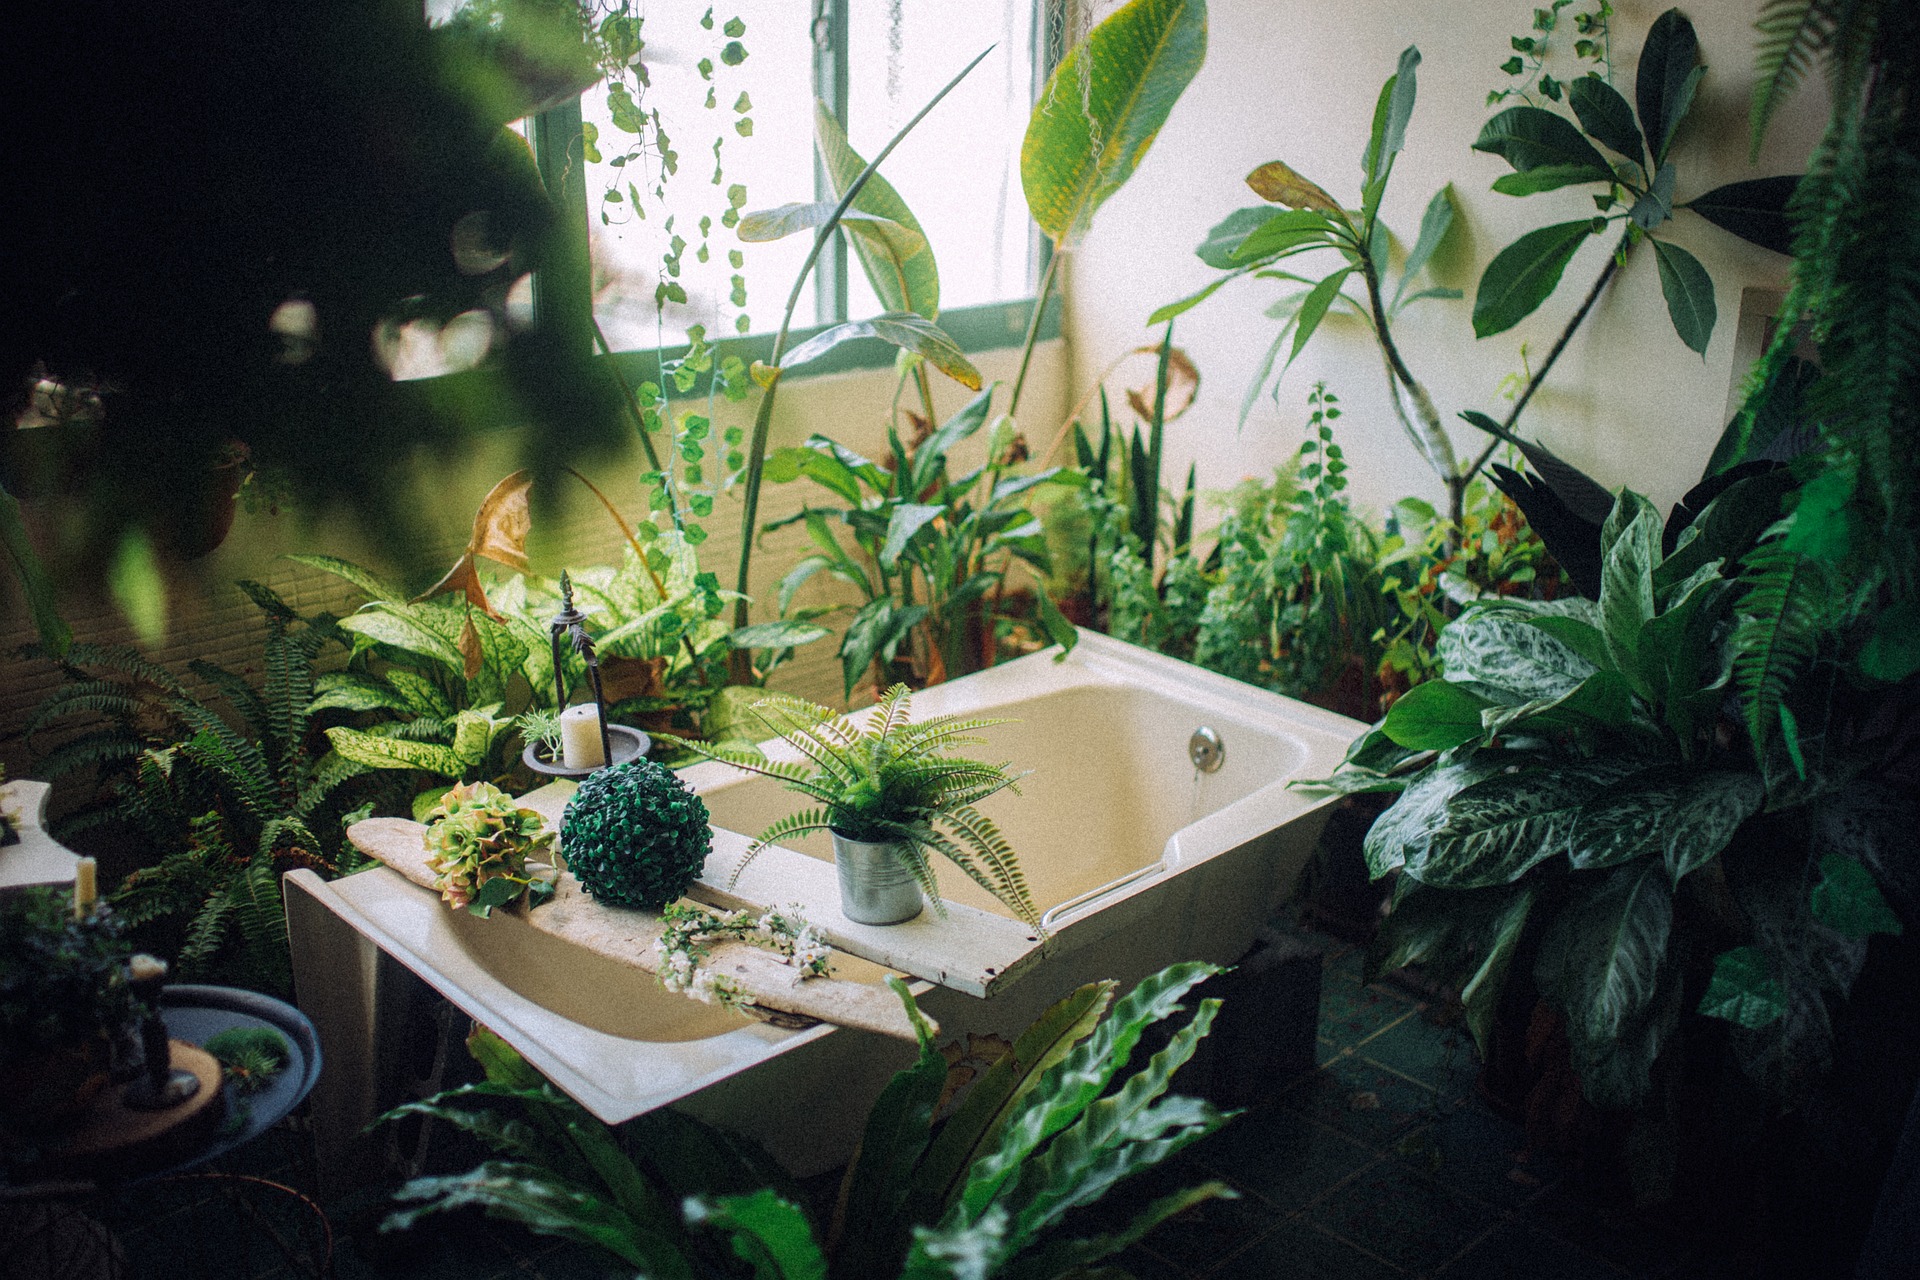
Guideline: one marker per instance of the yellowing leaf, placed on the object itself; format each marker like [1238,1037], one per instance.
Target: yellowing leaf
[1278,183]
[500,529]
[1183,384]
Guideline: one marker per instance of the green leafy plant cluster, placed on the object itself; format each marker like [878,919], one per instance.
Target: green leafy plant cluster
[1577,810]
[983,1186]
[485,850]
[888,781]
[635,835]
[62,979]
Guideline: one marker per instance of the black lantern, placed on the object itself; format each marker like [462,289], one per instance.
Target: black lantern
[618,743]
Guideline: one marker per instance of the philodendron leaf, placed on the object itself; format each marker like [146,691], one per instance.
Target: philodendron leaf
[1630,542]
[904,330]
[1435,715]
[903,274]
[1496,830]
[1689,293]
[1744,991]
[1102,108]
[1278,183]
[1666,80]
[1600,962]
[1686,819]
[1521,276]
[1605,115]
[1848,900]
[1530,138]
[1498,647]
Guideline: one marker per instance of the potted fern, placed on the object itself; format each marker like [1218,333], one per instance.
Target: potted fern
[888,793]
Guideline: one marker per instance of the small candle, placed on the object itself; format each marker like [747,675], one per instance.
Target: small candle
[86,888]
[580,737]
[145,968]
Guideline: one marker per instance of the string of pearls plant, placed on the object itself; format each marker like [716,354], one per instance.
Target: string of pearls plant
[692,931]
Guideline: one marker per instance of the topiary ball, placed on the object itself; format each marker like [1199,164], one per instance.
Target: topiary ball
[635,835]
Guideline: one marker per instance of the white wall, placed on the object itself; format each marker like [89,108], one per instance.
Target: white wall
[1296,80]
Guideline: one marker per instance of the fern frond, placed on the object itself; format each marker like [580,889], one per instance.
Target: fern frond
[1006,881]
[127,660]
[109,699]
[239,769]
[793,824]
[233,687]
[331,772]
[1777,634]
[1792,33]
[103,746]
[206,933]
[262,920]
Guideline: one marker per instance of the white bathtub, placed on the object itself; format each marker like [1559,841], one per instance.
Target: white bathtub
[1135,858]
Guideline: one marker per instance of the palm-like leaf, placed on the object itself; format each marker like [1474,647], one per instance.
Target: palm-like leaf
[1792,33]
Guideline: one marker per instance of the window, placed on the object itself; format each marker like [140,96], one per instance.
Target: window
[739,136]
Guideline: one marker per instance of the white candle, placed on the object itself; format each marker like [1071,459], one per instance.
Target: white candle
[86,888]
[580,737]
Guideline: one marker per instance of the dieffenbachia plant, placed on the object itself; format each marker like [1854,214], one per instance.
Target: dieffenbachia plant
[1635,189]
[1574,791]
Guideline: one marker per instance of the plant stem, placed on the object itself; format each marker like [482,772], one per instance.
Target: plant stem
[1593,295]
[1033,329]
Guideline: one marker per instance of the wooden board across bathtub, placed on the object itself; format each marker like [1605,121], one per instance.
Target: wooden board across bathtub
[969,950]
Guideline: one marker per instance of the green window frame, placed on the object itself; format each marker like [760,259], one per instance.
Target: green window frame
[562,290]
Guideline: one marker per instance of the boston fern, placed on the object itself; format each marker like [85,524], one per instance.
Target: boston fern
[1581,804]
[984,1185]
[888,781]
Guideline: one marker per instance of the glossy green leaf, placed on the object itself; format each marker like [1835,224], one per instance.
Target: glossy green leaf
[787,633]
[1530,138]
[770,1234]
[1313,309]
[1744,991]
[1689,293]
[1603,700]
[903,329]
[907,519]
[1496,830]
[1435,715]
[1523,274]
[902,271]
[1683,818]
[1548,177]
[1578,634]
[1404,832]
[1666,80]
[1605,115]
[1848,900]
[1054,624]
[1281,234]
[1480,997]
[1497,647]
[1630,548]
[1102,108]
[1600,963]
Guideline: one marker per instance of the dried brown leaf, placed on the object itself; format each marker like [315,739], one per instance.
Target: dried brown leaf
[1278,183]
[500,529]
[1183,384]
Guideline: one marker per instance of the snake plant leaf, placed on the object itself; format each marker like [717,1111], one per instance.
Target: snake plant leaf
[903,329]
[1689,293]
[1102,108]
[1744,991]
[903,273]
[1434,716]
[1605,115]
[1755,210]
[1530,138]
[1498,829]
[1683,818]
[42,602]
[1278,183]
[1523,274]
[1666,81]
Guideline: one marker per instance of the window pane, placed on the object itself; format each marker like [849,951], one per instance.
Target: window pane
[632,253]
[959,170]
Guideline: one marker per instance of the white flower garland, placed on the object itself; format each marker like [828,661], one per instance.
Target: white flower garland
[691,932]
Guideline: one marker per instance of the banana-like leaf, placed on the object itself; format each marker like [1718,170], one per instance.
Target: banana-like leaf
[1102,108]
[903,274]
[903,329]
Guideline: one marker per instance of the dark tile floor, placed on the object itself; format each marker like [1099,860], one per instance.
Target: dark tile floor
[1380,1163]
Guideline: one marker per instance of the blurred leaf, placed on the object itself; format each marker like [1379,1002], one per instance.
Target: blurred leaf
[138,589]
[1848,901]
[903,329]
[1744,991]
[41,599]
[499,533]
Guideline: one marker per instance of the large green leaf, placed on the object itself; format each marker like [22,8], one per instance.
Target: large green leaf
[1496,830]
[903,329]
[1848,900]
[1684,818]
[533,1197]
[1102,107]
[907,519]
[880,1181]
[1630,549]
[1523,274]
[1480,997]
[1280,234]
[770,1234]
[786,633]
[377,752]
[1435,223]
[376,587]
[1391,112]
[1313,309]
[1744,991]
[410,627]
[42,601]
[1530,138]
[1605,115]
[1754,209]
[1689,293]
[1601,966]
[1604,699]
[903,274]
[1435,715]
[1667,78]
[1404,832]
[1498,649]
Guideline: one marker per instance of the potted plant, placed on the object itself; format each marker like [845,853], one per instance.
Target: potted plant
[64,1000]
[888,793]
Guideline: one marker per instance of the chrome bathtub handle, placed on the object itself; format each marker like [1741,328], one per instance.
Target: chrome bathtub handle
[1091,896]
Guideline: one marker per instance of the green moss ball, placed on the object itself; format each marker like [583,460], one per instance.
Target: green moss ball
[635,835]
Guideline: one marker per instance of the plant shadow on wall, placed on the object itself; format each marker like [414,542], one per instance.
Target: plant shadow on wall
[966,1169]
[1663,833]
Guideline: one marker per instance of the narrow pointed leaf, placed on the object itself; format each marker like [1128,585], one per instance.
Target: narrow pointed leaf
[1755,210]
[1605,115]
[1522,275]
[904,330]
[901,269]
[1667,77]
[1689,293]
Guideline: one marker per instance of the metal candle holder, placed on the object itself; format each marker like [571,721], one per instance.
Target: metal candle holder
[618,743]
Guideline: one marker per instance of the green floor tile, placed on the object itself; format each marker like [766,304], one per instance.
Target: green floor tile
[1363,1101]
[1441,1057]
[1519,1252]
[1281,1156]
[1351,1013]
[1475,1152]
[1413,1222]
[1298,1250]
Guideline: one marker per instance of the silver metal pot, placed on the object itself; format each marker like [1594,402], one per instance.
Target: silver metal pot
[876,884]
